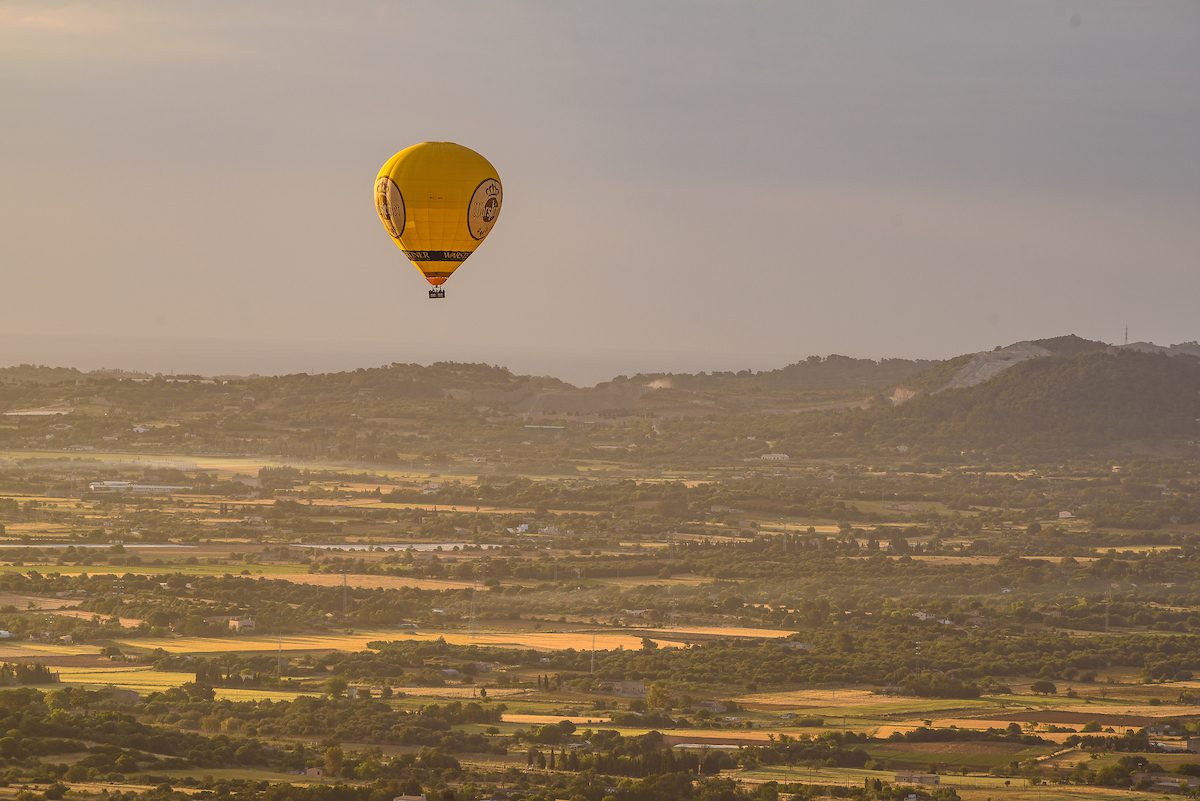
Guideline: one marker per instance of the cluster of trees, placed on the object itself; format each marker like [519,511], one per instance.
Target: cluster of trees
[873,654]
[68,719]
[26,673]
[117,743]
[929,684]
[608,753]
[193,707]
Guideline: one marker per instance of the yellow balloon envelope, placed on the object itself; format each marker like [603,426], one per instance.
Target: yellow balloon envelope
[438,202]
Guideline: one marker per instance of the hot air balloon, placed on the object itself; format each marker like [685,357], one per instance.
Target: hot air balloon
[438,202]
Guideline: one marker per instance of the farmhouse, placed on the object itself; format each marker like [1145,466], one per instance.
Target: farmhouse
[121,695]
[918,778]
[1188,745]
[1165,782]
[629,689]
[234,623]
[114,487]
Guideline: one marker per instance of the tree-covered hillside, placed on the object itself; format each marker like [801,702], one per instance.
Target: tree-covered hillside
[1092,399]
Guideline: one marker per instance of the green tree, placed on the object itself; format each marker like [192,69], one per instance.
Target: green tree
[333,760]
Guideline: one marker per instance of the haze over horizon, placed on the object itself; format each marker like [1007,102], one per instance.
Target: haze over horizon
[687,186]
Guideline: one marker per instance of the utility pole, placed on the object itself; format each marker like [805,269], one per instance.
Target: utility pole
[593,670]
[345,595]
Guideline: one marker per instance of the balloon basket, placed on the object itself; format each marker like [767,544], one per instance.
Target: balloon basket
[437,292]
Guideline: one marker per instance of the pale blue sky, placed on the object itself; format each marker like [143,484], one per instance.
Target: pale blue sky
[187,186]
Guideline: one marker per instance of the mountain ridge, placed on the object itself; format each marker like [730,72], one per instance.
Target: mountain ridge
[1065,392]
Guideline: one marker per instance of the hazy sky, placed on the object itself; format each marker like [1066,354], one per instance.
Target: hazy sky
[187,186]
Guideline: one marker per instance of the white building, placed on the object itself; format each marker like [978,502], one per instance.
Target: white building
[111,487]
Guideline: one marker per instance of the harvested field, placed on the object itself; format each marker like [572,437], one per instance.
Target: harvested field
[653,581]
[712,736]
[459,692]
[27,650]
[535,640]
[831,697]
[976,755]
[858,702]
[369,582]
[720,631]
[23,602]
[1104,718]
[143,680]
[83,614]
[547,720]
[147,680]
[1151,711]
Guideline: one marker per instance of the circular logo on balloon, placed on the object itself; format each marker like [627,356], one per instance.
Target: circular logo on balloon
[484,208]
[390,205]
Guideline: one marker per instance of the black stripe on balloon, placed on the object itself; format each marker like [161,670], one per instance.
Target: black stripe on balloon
[437,255]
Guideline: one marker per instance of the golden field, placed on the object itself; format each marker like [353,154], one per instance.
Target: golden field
[535,640]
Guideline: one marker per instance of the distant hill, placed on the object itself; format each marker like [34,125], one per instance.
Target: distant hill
[408,391]
[1055,397]
[1182,349]
[38,374]
[815,372]
[1057,393]
[975,368]
[814,382]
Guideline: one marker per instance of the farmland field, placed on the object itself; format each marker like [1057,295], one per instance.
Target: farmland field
[368,581]
[26,650]
[852,702]
[536,640]
[146,680]
[723,631]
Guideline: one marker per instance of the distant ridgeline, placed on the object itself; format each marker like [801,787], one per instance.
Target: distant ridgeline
[1050,396]
[832,371]
[1063,392]
[815,372]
